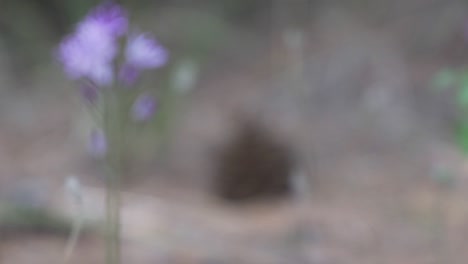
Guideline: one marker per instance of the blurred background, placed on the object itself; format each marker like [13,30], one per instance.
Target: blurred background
[288,131]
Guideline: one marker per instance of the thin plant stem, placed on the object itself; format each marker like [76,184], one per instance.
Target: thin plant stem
[107,123]
[112,223]
[114,219]
[114,131]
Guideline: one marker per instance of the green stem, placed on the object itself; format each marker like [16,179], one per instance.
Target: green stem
[114,219]
[114,131]
[109,175]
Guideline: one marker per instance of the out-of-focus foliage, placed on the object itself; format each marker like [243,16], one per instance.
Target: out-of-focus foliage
[36,220]
[29,29]
[445,78]
[457,79]
[198,32]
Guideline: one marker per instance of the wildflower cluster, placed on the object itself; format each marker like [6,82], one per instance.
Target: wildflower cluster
[93,55]
[106,58]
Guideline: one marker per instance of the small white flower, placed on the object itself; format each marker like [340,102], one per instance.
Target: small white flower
[73,187]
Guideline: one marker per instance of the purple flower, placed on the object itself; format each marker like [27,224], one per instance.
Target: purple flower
[81,59]
[89,93]
[143,108]
[113,16]
[144,52]
[129,74]
[141,52]
[90,51]
[97,145]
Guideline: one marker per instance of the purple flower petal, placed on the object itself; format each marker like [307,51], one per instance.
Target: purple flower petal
[82,59]
[97,39]
[113,16]
[97,145]
[143,108]
[129,74]
[145,53]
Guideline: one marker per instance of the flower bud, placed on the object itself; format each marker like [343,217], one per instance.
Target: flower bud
[143,108]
